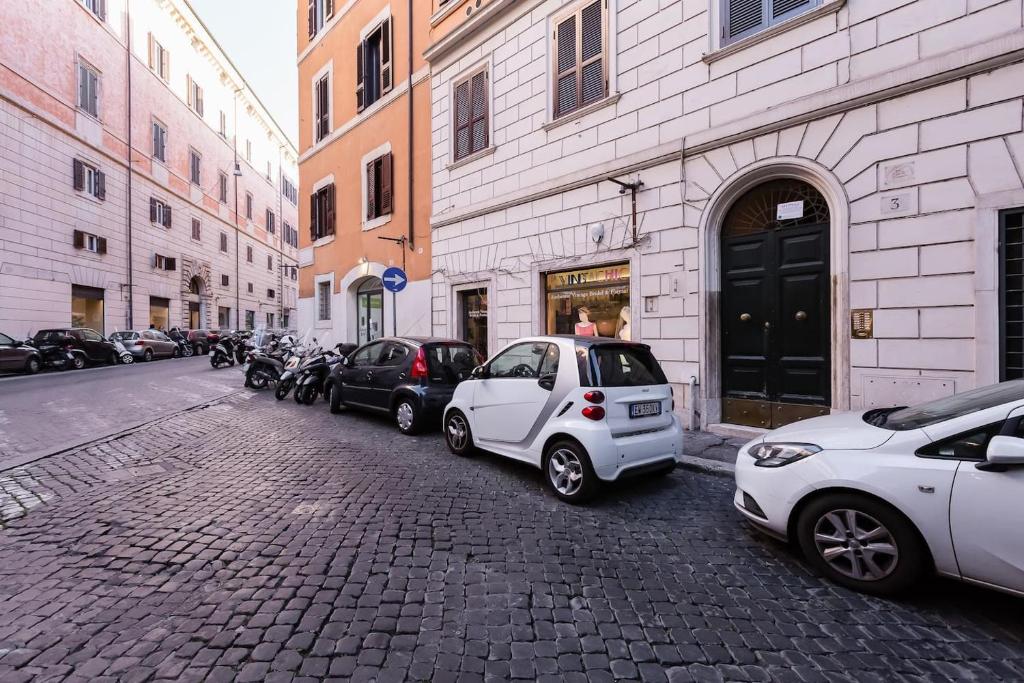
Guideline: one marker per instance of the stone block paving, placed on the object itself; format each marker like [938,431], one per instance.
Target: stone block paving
[256,540]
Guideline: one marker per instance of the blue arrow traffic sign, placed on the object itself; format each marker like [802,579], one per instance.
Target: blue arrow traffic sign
[395,280]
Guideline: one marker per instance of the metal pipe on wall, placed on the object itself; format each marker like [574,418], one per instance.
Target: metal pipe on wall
[128,203]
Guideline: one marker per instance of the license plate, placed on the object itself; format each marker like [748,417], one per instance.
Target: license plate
[645,409]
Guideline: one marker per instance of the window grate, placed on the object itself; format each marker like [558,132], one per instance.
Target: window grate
[1011,294]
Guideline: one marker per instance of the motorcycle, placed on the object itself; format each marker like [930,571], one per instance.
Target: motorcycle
[264,366]
[123,355]
[57,356]
[185,349]
[223,352]
[287,379]
[244,343]
[314,371]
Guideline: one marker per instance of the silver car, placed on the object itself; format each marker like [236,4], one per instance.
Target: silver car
[145,345]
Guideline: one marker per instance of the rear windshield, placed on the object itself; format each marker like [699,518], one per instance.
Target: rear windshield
[122,336]
[926,414]
[625,366]
[451,363]
[50,336]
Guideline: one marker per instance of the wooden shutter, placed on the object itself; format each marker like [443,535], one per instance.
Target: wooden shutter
[386,70]
[199,99]
[167,215]
[312,18]
[328,9]
[463,120]
[101,9]
[478,113]
[330,213]
[152,53]
[580,62]
[101,185]
[592,58]
[152,210]
[742,18]
[170,264]
[79,238]
[566,61]
[165,64]
[78,173]
[386,183]
[783,9]
[101,245]
[360,79]
[188,94]
[314,217]
[371,184]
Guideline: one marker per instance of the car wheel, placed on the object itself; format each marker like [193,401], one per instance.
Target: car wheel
[32,366]
[458,435]
[112,360]
[407,417]
[281,392]
[78,362]
[861,543]
[176,353]
[569,473]
[127,359]
[148,355]
[335,400]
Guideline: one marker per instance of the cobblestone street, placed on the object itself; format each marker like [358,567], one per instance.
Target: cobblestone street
[251,539]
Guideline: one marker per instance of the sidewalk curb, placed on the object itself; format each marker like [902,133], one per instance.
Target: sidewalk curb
[713,467]
[29,458]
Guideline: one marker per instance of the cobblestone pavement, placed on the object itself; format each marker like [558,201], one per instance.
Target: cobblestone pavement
[253,540]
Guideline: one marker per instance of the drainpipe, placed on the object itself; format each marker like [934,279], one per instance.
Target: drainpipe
[237,171]
[280,236]
[412,148]
[128,215]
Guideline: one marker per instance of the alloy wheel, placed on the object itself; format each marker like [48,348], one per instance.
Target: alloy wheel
[565,471]
[457,432]
[32,366]
[188,351]
[405,416]
[856,545]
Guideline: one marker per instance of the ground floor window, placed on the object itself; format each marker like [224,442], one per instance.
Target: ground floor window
[323,295]
[159,312]
[87,308]
[195,317]
[1011,294]
[250,320]
[591,302]
[473,318]
[224,317]
[370,310]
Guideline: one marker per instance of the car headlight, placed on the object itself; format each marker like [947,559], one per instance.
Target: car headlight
[779,454]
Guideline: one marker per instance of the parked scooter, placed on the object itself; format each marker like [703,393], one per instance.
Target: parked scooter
[224,351]
[185,349]
[56,356]
[265,366]
[123,354]
[314,371]
[287,379]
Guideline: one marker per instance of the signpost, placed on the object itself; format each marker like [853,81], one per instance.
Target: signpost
[395,280]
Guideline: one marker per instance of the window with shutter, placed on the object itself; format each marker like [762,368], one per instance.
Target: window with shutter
[225,280]
[78,174]
[248,254]
[374,65]
[743,18]
[101,185]
[580,62]
[224,242]
[329,209]
[360,79]
[372,190]
[196,229]
[386,70]
[88,89]
[167,216]
[472,128]
[322,123]
[222,186]
[195,167]
[386,179]
[79,239]
[101,245]
[159,141]
[152,210]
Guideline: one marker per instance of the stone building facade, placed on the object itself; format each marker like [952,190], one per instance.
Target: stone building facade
[129,142]
[828,193]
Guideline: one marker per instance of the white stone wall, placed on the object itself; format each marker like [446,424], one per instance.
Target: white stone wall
[919,175]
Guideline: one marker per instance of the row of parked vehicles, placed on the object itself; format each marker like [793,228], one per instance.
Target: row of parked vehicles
[874,499]
[73,348]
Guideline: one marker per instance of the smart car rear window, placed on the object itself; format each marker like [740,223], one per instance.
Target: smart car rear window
[625,366]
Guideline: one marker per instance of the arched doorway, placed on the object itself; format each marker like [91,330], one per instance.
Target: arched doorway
[775,306]
[369,310]
[196,314]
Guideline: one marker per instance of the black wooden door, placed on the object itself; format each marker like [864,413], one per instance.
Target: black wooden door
[776,317]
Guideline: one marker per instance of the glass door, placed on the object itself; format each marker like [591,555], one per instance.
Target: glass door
[370,310]
[473,318]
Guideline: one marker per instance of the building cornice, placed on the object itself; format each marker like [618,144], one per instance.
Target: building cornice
[926,73]
[474,25]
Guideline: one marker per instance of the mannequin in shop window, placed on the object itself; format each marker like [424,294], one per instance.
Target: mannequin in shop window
[585,328]
[622,331]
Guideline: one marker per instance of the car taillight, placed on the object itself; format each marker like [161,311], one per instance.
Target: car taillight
[593,413]
[419,365]
[594,396]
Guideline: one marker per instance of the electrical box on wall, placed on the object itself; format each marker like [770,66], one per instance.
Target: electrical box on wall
[862,323]
[650,304]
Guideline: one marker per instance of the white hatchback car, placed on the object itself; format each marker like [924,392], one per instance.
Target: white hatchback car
[875,499]
[583,409]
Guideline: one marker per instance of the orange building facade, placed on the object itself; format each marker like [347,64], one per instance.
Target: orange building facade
[364,166]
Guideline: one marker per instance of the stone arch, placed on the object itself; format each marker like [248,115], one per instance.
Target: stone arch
[731,189]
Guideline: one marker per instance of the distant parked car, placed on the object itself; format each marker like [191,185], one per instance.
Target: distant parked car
[877,499]
[15,356]
[87,345]
[145,345]
[201,340]
[585,410]
[409,378]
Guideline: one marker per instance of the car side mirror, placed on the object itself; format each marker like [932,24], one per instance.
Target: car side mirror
[1002,453]
[479,372]
[548,381]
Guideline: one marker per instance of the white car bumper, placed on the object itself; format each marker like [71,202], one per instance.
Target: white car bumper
[625,456]
[767,495]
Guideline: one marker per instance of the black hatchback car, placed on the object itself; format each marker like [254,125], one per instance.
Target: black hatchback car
[87,345]
[410,378]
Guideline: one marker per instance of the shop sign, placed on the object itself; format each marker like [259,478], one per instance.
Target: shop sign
[589,277]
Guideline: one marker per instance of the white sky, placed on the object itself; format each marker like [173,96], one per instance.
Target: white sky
[259,37]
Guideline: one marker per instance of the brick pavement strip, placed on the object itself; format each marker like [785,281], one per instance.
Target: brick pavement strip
[256,540]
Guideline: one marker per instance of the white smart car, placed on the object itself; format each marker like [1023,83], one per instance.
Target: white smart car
[583,409]
[875,499]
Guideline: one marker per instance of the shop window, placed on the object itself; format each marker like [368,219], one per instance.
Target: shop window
[580,59]
[322,208]
[374,73]
[591,302]
[87,307]
[323,295]
[223,317]
[742,18]
[470,115]
[1011,294]
[473,318]
[379,193]
[89,179]
[159,312]
[370,310]
[270,320]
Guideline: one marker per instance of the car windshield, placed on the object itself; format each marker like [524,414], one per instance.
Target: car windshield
[626,366]
[926,414]
[451,363]
[50,336]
